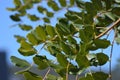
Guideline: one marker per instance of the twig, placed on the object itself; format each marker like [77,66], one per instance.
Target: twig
[67,68]
[76,78]
[46,74]
[111,27]
[110,61]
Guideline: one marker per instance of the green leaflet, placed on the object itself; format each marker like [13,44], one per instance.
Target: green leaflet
[41,62]
[19,62]
[32,39]
[40,33]
[53,5]
[50,30]
[31,76]
[26,49]
[102,58]
[33,17]
[62,60]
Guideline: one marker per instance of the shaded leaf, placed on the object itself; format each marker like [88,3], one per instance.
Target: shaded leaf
[31,76]
[49,14]
[33,17]
[50,30]
[19,38]
[102,58]
[102,43]
[41,62]
[36,1]
[62,60]
[97,4]
[53,5]
[19,62]
[40,33]
[72,2]
[117,40]
[97,76]
[25,27]
[66,48]
[46,20]
[17,3]
[15,18]
[41,9]
[63,3]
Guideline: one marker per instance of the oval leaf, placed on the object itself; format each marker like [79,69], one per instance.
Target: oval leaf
[19,62]
[27,49]
[102,58]
[102,43]
[41,61]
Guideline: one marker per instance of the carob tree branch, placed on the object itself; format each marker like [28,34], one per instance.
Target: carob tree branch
[111,27]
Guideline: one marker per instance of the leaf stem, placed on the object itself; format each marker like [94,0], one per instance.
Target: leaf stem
[110,28]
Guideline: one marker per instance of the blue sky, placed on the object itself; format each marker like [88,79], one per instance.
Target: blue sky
[9,44]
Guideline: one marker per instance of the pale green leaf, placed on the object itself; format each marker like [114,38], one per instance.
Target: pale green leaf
[19,62]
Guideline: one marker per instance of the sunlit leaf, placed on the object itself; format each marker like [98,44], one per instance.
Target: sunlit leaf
[62,3]
[82,61]
[95,76]
[46,20]
[102,43]
[19,62]
[40,33]
[32,39]
[53,5]
[41,9]
[17,3]
[49,14]
[110,15]
[72,2]
[26,49]
[65,48]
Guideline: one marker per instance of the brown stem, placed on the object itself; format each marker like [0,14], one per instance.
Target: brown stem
[111,27]
[46,74]
[67,68]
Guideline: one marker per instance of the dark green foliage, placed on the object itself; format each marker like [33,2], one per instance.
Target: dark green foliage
[70,40]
